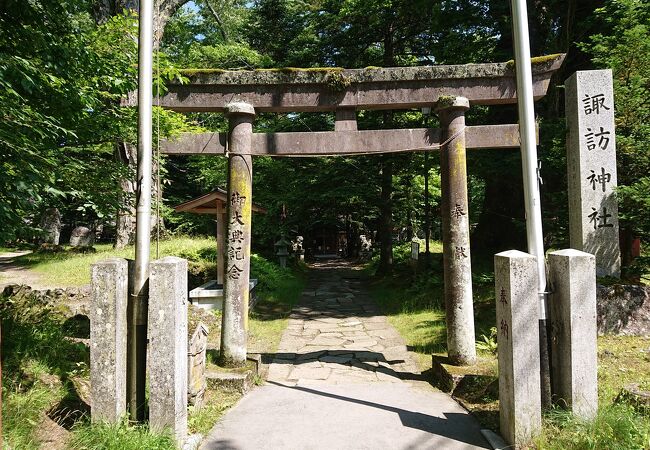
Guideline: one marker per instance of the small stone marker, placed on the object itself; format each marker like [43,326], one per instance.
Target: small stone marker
[82,237]
[196,360]
[574,353]
[520,405]
[108,315]
[51,226]
[591,165]
[415,250]
[168,346]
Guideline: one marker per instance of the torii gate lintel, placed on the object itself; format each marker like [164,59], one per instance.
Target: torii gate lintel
[450,89]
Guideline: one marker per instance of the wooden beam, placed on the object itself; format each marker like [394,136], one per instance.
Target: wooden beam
[305,90]
[330,143]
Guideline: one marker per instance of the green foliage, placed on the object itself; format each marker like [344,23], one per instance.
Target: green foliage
[224,56]
[488,343]
[22,412]
[616,427]
[625,48]
[32,332]
[118,436]
[35,355]
[271,277]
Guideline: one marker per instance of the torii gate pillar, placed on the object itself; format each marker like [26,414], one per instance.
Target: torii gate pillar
[455,232]
[238,235]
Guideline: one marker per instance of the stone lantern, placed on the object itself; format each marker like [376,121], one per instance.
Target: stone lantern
[282,250]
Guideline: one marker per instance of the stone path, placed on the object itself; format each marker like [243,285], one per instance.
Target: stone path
[343,379]
[337,335]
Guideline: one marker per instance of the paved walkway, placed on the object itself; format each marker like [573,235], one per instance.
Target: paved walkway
[343,379]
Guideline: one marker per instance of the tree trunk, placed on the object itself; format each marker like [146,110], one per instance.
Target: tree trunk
[386,207]
[501,225]
[125,222]
[127,152]
[386,219]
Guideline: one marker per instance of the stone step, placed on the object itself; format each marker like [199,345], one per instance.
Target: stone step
[241,379]
[235,381]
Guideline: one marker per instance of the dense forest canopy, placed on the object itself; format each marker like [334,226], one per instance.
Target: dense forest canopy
[66,68]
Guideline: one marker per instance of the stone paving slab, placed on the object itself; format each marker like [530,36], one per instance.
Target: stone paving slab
[342,378]
[335,315]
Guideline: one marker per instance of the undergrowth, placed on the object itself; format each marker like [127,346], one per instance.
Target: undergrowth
[120,436]
[616,427]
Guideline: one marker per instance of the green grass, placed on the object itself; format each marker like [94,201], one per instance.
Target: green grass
[215,405]
[616,427]
[73,269]
[279,293]
[412,298]
[119,436]
[22,411]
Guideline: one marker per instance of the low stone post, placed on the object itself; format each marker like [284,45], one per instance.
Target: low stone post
[459,305]
[168,345]
[520,405]
[574,351]
[108,315]
[238,239]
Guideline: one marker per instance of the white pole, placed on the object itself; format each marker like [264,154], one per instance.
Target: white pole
[137,346]
[529,143]
[526,108]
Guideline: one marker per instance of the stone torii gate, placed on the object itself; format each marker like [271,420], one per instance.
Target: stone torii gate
[450,90]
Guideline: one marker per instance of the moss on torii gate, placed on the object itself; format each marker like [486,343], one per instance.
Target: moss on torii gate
[451,89]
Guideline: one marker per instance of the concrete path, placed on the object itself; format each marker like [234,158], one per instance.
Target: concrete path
[343,379]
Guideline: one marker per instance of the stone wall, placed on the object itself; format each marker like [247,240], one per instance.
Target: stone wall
[70,301]
[622,309]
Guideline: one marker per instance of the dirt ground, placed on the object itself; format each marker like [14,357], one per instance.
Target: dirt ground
[11,273]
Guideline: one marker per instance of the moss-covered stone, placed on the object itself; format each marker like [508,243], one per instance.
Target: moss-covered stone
[339,78]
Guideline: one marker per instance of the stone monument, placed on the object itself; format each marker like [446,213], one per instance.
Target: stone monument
[82,237]
[168,346]
[108,321]
[591,166]
[51,226]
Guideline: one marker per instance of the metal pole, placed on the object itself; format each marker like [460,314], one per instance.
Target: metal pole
[525,104]
[138,319]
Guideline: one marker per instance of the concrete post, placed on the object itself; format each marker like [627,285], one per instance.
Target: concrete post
[110,290]
[238,246]
[520,406]
[574,352]
[455,232]
[168,346]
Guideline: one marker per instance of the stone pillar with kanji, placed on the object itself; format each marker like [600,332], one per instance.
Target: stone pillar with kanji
[516,289]
[238,235]
[591,166]
[459,305]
